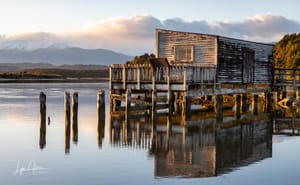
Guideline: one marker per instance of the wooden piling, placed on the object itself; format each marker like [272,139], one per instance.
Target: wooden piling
[219,107]
[100,106]
[42,120]
[100,116]
[238,106]
[244,103]
[75,117]
[67,108]
[255,104]
[269,101]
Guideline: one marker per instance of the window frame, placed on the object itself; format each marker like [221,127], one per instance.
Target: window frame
[192,54]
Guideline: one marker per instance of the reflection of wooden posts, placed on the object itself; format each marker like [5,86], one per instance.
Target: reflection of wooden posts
[127,103]
[255,104]
[75,117]
[67,108]
[177,102]
[153,109]
[294,84]
[244,103]
[219,107]
[100,116]
[153,138]
[67,138]
[168,132]
[187,105]
[293,122]
[269,101]
[275,98]
[138,134]
[238,106]
[43,120]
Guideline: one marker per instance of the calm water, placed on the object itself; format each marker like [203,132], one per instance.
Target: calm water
[240,151]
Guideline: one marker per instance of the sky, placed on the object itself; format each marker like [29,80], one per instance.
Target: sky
[129,26]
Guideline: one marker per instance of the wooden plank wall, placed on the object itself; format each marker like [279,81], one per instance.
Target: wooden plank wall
[229,50]
[230,62]
[205,46]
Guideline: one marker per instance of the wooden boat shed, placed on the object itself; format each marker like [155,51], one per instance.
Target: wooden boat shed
[189,67]
[237,61]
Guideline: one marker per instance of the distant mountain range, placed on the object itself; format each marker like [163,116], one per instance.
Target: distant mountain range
[45,57]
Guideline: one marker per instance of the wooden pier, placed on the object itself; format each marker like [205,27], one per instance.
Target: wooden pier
[177,89]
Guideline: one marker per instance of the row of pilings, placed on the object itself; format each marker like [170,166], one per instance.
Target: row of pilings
[71,118]
[178,103]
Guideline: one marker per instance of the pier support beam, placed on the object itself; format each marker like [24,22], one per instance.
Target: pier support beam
[255,104]
[171,100]
[244,103]
[114,103]
[238,106]
[269,101]
[219,107]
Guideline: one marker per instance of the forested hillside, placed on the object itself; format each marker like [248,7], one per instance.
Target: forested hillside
[287,52]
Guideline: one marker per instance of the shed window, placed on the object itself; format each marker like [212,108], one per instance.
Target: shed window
[184,53]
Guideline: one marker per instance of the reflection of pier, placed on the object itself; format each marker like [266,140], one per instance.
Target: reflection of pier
[198,147]
[287,122]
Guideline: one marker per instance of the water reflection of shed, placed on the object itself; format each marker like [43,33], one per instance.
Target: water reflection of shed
[199,148]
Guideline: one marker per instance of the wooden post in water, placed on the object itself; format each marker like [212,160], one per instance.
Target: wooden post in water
[255,104]
[219,108]
[238,106]
[75,117]
[67,108]
[100,116]
[43,107]
[244,103]
[67,122]
[42,120]
[127,103]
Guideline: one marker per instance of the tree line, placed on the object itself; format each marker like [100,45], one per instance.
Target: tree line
[287,51]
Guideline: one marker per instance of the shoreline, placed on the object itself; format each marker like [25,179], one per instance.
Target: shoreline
[5,81]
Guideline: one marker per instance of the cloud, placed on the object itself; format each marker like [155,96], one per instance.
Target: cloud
[30,40]
[136,35]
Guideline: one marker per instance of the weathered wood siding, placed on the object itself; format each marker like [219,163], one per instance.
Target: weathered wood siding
[205,46]
[231,57]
